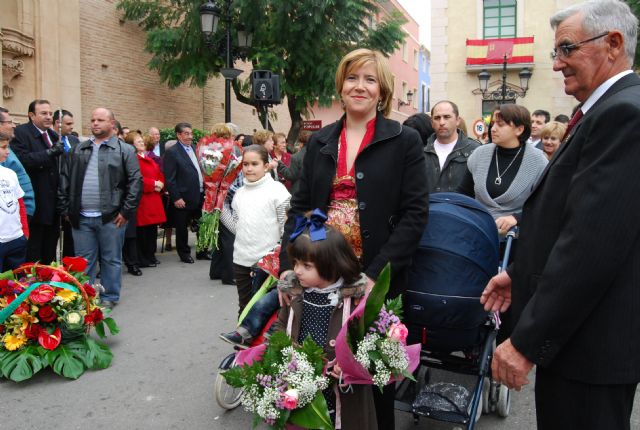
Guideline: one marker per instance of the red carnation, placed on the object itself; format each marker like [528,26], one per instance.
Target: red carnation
[93,317]
[50,341]
[42,294]
[45,273]
[33,331]
[23,308]
[46,314]
[75,264]
[91,292]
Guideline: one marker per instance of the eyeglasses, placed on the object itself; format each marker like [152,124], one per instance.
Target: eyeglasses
[7,122]
[564,51]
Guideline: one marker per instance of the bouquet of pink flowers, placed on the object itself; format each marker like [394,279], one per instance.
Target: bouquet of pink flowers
[371,347]
[220,161]
[282,383]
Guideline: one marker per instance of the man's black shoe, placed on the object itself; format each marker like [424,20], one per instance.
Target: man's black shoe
[148,265]
[187,259]
[134,270]
[203,255]
[235,338]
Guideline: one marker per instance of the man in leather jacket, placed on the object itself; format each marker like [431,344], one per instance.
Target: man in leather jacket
[447,150]
[100,188]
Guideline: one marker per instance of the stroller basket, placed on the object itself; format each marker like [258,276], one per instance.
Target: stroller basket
[457,255]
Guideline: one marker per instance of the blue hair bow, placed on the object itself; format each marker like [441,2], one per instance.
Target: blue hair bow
[315,223]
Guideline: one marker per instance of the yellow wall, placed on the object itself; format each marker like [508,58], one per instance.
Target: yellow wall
[455,21]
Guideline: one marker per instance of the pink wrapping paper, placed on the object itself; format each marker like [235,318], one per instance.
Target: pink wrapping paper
[352,371]
[248,356]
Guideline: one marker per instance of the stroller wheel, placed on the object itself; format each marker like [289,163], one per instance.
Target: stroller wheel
[227,397]
[504,401]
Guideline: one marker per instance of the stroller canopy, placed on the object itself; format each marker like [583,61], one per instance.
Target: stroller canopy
[461,226]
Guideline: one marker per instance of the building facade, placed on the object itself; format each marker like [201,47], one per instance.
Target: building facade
[469,36]
[81,54]
[424,79]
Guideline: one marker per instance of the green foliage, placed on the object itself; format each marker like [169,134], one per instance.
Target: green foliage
[167,134]
[376,297]
[72,359]
[22,365]
[314,416]
[635,8]
[300,40]
[7,275]
[69,359]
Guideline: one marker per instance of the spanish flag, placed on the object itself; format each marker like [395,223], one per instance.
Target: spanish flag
[492,51]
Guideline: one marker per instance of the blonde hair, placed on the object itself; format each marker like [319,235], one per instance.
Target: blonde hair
[148,142]
[221,130]
[359,58]
[260,137]
[553,128]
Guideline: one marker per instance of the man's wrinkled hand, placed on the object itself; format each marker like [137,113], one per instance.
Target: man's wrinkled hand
[509,367]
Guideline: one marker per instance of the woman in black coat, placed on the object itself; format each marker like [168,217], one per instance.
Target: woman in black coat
[368,174]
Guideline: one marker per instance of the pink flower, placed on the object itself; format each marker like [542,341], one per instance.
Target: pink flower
[290,399]
[398,332]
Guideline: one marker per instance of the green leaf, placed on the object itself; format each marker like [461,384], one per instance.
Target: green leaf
[65,363]
[395,306]
[100,353]
[113,327]
[100,330]
[408,375]
[22,364]
[377,296]
[315,415]
[7,275]
[375,355]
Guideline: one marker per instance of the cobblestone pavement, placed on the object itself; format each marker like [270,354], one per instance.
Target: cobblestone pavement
[165,363]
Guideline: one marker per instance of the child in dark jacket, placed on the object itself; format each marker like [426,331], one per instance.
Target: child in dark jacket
[324,290]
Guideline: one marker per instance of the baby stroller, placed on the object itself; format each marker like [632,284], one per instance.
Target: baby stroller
[457,255]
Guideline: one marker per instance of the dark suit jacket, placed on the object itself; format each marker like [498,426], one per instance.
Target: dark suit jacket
[576,277]
[30,148]
[181,176]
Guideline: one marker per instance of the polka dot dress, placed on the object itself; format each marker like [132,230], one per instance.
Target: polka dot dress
[316,313]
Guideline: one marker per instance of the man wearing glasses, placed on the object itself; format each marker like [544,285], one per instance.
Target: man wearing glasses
[576,277]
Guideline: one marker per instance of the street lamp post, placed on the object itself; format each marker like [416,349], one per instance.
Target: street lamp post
[408,102]
[506,91]
[209,19]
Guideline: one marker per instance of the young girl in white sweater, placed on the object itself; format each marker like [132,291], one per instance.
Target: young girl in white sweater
[259,212]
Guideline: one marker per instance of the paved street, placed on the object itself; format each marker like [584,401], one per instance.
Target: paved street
[164,366]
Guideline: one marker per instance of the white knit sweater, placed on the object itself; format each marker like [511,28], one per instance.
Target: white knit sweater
[258,230]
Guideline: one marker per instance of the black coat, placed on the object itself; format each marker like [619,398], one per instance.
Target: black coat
[391,186]
[576,276]
[31,149]
[181,177]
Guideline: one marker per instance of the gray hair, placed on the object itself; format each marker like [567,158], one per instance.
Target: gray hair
[601,16]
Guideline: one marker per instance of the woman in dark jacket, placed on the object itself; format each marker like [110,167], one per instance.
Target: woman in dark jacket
[368,174]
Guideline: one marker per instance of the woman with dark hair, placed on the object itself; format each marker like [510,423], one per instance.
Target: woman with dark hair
[383,217]
[422,123]
[501,174]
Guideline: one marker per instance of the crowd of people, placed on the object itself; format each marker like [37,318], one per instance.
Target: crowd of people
[573,282]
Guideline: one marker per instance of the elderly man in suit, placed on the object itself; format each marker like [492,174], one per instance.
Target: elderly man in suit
[574,286]
[184,182]
[38,149]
